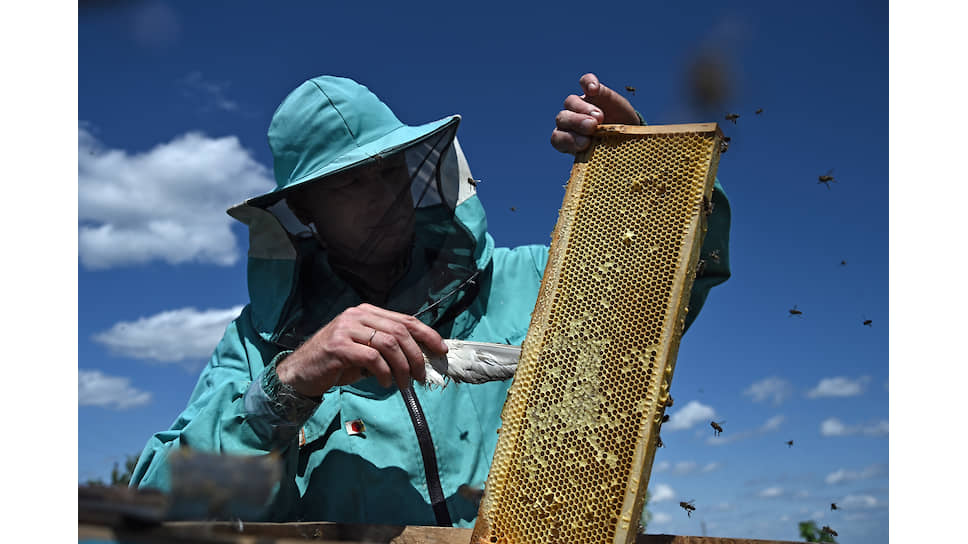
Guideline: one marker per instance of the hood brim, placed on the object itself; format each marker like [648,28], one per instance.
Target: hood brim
[396,140]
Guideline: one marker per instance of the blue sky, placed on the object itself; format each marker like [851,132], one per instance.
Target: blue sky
[173,102]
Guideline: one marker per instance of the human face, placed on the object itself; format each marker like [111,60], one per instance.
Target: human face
[364,215]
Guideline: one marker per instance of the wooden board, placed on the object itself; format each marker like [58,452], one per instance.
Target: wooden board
[325,533]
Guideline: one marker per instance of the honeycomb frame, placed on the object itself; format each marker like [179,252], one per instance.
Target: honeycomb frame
[581,420]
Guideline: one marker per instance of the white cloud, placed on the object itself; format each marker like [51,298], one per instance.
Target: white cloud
[839,387]
[772,388]
[858,502]
[661,493]
[715,465]
[183,335]
[771,492]
[661,466]
[843,475]
[164,204]
[772,424]
[660,517]
[97,389]
[692,413]
[211,92]
[685,467]
[834,427]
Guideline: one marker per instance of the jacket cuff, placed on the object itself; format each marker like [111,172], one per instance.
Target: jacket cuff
[275,409]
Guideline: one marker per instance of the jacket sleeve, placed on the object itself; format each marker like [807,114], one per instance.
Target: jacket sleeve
[714,254]
[229,412]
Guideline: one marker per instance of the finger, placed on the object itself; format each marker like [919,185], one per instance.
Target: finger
[398,347]
[361,360]
[401,367]
[569,142]
[580,105]
[571,120]
[615,107]
[420,332]
[589,84]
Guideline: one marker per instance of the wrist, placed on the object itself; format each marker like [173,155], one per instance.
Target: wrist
[285,400]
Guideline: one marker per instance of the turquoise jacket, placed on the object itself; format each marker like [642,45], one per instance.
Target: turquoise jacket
[378,475]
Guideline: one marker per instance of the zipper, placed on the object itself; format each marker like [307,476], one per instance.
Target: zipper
[420,427]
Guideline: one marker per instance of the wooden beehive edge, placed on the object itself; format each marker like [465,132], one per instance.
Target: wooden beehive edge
[661,129]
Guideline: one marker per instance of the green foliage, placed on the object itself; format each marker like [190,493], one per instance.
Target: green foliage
[810,533]
[646,515]
[119,477]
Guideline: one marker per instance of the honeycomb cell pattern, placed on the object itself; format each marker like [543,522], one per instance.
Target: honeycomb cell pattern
[580,423]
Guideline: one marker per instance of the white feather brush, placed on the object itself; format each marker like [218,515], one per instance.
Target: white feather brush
[472,362]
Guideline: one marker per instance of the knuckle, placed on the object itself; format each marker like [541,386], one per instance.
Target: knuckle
[399,331]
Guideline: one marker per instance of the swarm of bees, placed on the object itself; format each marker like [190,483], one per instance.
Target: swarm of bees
[717,427]
[827,178]
[688,507]
[794,311]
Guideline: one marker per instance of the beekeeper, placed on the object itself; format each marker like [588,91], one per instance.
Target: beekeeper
[372,245]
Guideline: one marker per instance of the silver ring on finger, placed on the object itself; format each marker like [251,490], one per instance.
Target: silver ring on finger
[368,342]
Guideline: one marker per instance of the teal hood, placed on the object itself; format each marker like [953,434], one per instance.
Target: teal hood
[330,126]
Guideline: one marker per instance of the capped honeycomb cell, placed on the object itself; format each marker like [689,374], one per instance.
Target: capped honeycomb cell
[580,424]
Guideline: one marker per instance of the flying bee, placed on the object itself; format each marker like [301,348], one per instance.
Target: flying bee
[714,256]
[789,443]
[868,322]
[827,178]
[843,262]
[717,427]
[471,493]
[758,111]
[828,530]
[732,117]
[630,89]
[473,181]
[513,209]
[833,506]
[688,507]
[794,311]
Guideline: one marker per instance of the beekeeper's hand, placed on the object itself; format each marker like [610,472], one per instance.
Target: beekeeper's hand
[362,341]
[575,124]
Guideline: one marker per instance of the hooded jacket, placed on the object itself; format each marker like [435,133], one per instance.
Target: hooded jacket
[357,458]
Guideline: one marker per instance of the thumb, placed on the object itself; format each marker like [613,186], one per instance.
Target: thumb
[614,106]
